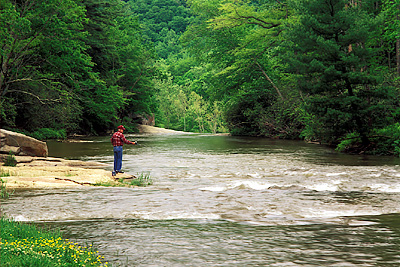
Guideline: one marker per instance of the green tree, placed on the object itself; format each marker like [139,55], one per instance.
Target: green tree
[42,61]
[121,63]
[333,50]
[241,40]
[391,33]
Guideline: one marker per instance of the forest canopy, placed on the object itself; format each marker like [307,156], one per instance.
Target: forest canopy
[319,70]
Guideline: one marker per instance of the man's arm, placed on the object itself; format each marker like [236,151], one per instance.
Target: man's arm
[127,141]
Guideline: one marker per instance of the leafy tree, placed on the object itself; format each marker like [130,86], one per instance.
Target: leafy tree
[332,50]
[391,32]
[42,58]
[159,15]
[121,63]
[241,41]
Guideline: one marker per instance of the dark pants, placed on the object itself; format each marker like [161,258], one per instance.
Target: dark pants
[117,158]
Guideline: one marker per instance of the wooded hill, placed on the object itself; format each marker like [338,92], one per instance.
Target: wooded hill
[320,70]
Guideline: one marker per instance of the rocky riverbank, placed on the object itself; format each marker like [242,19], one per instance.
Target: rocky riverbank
[48,172]
[40,172]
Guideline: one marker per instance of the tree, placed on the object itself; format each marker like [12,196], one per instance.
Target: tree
[121,62]
[332,53]
[391,34]
[241,42]
[42,59]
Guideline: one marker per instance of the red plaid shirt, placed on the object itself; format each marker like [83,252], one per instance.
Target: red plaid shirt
[118,139]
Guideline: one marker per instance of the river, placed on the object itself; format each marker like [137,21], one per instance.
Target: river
[228,201]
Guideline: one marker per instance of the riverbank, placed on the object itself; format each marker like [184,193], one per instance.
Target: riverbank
[49,172]
[38,172]
[27,245]
[147,129]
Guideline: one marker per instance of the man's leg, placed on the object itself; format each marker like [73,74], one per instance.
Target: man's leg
[115,161]
[119,160]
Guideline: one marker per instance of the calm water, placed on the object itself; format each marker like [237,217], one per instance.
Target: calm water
[228,201]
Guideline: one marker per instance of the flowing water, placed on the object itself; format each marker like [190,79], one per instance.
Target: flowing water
[228,201]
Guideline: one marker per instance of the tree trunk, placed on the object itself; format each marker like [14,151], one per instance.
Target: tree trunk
[269,79]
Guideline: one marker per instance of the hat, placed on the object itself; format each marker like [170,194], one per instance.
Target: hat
[121,127]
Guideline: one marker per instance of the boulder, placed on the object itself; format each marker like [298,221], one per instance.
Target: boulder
[20,144]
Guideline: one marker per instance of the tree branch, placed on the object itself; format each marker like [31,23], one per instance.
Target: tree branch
[269,79]
[42,101]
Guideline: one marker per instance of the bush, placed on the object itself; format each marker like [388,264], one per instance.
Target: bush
[143,179]
[4,194]
[10,160]
[349,141]
[385,141]
[389,139]
[48,133]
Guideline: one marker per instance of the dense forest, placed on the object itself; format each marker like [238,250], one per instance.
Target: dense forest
[320,70]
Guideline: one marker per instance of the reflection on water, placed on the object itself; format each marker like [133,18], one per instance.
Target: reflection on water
[229,201]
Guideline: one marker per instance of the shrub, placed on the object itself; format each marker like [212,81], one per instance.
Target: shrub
[10,160]
[143,179]
[349,141]
[4,194]
[389,139]
[48,133]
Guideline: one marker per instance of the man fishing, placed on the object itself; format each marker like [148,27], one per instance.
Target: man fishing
[118,139]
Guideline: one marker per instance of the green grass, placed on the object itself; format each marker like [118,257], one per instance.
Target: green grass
[143,179]
[4,173]
[26,245]
[10,160]
[4,194]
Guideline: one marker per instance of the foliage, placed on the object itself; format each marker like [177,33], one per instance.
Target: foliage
[181,108]
[120,58]
[320,70]
[10,160]
[42,57]
[333,48]
[143,179]
[240,40]
[390,33]
[71,65]
[161,16]
[4,193]
[349,142]
[4,173]
[47,133]
[26,245]
[388,140]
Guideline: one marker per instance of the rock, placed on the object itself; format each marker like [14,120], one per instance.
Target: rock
[22,144]
[5,149]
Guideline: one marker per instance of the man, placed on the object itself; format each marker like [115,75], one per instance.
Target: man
[118,139]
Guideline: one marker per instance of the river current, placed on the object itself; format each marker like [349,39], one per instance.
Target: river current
[228,201]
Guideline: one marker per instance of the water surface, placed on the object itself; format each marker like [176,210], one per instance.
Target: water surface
[228,201]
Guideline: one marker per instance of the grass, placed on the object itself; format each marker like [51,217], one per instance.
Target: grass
[4,173]
[4,194]
[26,245]
[143,179]
[10,160]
